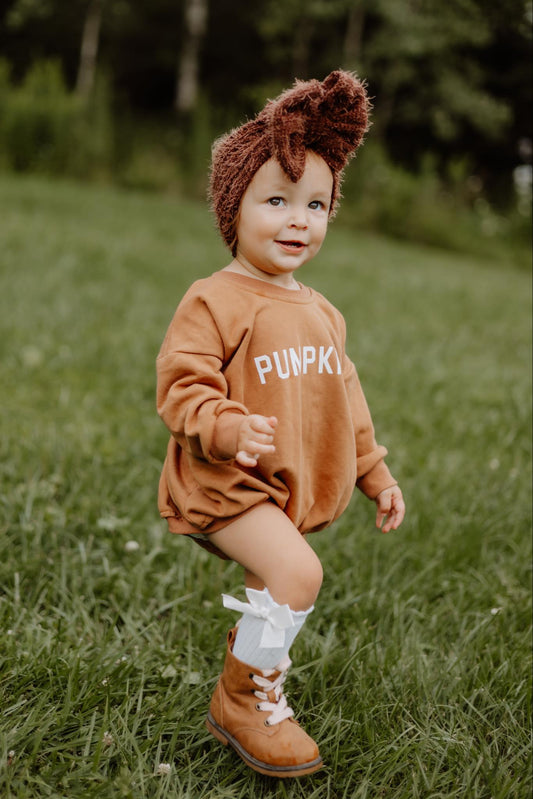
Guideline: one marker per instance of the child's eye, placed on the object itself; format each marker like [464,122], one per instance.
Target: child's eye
[316,205]
[275,201]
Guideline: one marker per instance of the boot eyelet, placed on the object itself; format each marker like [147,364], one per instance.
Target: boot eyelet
[258,707]
[251,676]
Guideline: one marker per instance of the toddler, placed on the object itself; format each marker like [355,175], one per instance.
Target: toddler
[270,430]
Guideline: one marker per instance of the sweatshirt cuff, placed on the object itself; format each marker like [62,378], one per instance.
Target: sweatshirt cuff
[225,436]
[376,480]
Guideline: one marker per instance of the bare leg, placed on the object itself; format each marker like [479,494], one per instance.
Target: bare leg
[252,581]
[274,555]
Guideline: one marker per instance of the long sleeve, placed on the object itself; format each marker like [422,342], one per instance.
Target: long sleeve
[373,475]
[192,392]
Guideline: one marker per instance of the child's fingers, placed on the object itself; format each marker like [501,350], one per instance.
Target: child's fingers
[395,516]
[380,518]
[255,439]
[245,459]
[390,510]
[389,524]
[250,458]
[383,502]
[260,438]
[399,513]
[256,448]
[252,449]
[260,435]
[263,425]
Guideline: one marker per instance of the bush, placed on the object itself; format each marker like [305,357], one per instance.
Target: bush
[171,154]
[449,212]
[45,128]
[147,156]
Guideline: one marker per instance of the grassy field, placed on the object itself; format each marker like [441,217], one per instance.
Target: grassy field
[414,671]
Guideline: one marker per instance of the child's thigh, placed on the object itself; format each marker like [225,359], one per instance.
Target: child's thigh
[268,545]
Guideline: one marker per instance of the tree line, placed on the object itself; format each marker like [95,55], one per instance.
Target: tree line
[449,80]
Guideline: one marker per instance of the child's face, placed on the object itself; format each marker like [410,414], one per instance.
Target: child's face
[282,224]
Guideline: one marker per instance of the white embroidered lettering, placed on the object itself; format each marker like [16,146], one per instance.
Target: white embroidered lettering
[263,364]
[296,361]
[309,357]
[323,360]
[283,374]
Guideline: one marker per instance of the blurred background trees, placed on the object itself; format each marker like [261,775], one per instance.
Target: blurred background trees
[136,91]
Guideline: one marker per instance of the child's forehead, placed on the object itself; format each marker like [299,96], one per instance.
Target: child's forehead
[316,172]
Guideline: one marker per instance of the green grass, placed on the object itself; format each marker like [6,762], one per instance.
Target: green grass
[414,671]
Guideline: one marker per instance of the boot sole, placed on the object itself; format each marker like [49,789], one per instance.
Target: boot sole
[263,768]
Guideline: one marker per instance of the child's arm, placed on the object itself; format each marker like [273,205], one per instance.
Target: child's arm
[192,393]
[373,476]
[390,509]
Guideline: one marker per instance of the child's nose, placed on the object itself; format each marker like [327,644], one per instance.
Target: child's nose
[298,220]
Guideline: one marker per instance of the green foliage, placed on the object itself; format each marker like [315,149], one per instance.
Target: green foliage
[448,78]
[45,128]
[422,61]
[445,211]
[414,671]
[450,84]
[169,156]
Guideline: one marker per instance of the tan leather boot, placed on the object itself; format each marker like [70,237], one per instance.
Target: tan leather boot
[249,712]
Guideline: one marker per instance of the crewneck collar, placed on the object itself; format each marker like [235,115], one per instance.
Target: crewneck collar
[265,289]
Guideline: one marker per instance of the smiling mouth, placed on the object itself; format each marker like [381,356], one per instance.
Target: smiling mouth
[293,245]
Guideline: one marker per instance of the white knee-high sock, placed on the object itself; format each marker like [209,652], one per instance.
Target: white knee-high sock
[266,630]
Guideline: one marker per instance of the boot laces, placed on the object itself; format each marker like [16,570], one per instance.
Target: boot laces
[279,709]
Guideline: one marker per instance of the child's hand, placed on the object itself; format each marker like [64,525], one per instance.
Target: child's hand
[256,435]
[391,509]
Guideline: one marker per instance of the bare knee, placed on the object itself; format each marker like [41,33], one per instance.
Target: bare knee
[298,583]
[274,554]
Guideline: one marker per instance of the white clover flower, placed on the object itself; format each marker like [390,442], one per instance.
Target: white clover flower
[112,523]
[163,769]
[168,672]
[107,738]
[131,546]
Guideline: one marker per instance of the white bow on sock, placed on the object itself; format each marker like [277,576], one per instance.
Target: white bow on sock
[266,630]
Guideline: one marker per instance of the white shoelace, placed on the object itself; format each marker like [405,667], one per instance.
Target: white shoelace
[279,710]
